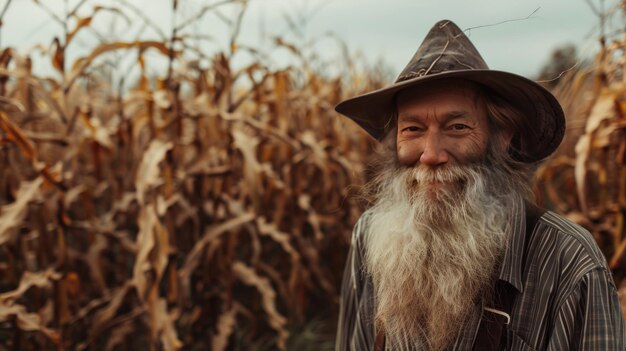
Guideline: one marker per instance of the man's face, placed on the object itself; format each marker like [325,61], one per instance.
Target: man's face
[444,123]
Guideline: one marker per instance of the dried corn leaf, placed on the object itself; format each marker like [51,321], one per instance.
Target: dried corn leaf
[153,243]
[100,134]
[162,249]
[82,63]
[603,109]
[148,172]
[602,137]
[165,326]
[320,157]
[72,195]
[12,215]
[268,295]
[58,59]
[92,258]
[122,205]
[580,169]
[17,135]
[252,168]
[162,99]
[102,318]
[82,22]
[119,335]
[225,326]
[281,238]
[304,201]
[264,128]
[28,280]
[27,321]
[211,234]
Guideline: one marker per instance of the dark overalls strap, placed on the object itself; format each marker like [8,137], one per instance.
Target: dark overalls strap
[492,332]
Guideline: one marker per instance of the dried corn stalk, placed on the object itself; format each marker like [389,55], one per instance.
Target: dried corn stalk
[586,179]
[204,209]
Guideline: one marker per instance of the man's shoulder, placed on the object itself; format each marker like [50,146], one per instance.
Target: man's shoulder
[566,230]
[570,242]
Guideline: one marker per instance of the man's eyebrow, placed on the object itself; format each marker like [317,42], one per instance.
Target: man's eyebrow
[454,115]
[408,118]
[443,119]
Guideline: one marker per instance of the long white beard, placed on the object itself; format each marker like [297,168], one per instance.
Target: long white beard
[432,252]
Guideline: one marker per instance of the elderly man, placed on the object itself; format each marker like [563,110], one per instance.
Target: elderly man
[453,255]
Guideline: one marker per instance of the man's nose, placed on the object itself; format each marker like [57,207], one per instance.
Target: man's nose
[434,153]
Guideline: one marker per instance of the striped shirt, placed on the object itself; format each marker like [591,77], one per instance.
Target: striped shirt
[565,295]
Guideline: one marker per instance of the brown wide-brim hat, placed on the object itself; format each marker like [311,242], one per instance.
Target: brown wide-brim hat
[446,52]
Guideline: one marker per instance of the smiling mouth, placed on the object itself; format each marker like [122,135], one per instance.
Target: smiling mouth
[443,184]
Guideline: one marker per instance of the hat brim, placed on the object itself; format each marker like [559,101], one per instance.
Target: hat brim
[544,124]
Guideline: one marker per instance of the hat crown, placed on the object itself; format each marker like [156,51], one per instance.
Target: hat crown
[445,48]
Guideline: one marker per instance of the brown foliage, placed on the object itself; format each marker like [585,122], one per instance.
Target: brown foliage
[207,209]
[586,178]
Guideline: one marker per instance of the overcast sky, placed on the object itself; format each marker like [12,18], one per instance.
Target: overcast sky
[381,29]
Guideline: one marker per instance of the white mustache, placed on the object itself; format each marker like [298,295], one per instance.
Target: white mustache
[448,174]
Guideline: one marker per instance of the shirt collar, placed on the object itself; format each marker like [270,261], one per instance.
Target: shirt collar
[511,268]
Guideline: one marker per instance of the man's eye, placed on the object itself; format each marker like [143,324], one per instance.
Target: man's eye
[459,127]
[411,129]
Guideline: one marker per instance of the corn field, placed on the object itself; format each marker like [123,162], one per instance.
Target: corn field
[211,208]
[586,178]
